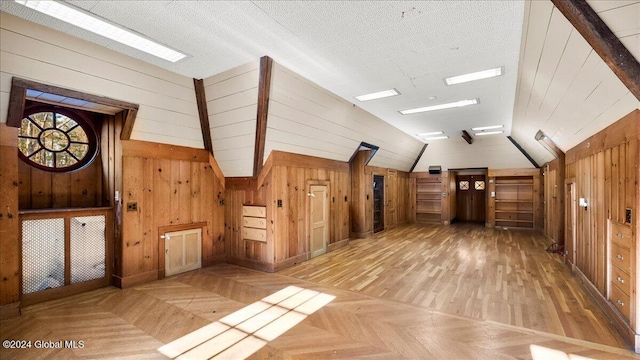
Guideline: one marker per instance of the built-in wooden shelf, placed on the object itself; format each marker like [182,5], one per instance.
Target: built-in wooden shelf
[429,199]
[514,201]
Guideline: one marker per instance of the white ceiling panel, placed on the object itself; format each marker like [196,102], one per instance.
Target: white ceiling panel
[456,153]
[565,89]
[552,80]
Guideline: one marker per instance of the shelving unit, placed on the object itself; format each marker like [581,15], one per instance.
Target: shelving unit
[514,202]
[429,199]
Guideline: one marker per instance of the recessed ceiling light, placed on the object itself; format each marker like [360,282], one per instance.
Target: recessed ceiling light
[431,133]
[435,138]
[482,128]
[440,107]
[378,95]
[488,133]
[473,76]
[90,22]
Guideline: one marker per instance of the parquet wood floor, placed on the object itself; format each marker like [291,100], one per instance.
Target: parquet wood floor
[135,322]
[467,270]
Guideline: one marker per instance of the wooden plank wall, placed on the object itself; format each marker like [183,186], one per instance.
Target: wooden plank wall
[46,190]
[253,254]
[168,111]
[171,185]
[554,189]
[9,220]
[604,169]
[285,177]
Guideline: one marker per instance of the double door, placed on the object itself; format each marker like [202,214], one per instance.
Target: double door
[471,198]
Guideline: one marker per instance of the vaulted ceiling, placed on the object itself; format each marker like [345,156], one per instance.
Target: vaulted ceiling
[553,81]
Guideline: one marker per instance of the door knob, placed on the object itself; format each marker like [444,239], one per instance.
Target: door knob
[166,251]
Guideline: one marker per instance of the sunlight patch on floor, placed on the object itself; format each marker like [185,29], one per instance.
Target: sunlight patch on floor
[244,332]
[544,353]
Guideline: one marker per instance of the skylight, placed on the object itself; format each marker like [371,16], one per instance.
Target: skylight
[460,103]
[90,22]
[485,74]
[378,95]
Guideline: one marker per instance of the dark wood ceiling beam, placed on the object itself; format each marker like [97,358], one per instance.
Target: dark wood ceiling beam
[415,163]
[524,152]
[264,88]
[201,100]
[603,41]
[18,95]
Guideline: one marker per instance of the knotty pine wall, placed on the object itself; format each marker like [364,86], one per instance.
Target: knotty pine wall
[286,177]
[554,198]
[46,190]
[171,185]
[9,221]
[397,197]
[605,171]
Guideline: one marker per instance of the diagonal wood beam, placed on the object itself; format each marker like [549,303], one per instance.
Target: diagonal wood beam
[201,100]
[603,41]
[415,163]
[264,88]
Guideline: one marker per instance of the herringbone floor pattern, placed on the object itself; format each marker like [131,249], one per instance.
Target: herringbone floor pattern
[135,322]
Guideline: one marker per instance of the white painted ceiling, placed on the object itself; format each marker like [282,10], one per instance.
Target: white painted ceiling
[357,47]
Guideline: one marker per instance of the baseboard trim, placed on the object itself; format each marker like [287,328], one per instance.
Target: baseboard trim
[9,311]
[338,244]
[290,261]
[216,259]
[129,281]
[362,235]
[609,310]
[251,264]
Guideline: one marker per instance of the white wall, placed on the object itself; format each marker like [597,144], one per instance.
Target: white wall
[307,119]
[493,152]
[232,103]
[168,111]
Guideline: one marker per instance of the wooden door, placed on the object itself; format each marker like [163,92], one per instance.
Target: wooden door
[570,221]
[318,218]
[183,251]
[378,203]
[391,192]
[471,198]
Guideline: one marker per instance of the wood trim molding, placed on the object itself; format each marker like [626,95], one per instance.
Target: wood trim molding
[281,158]
[216,169]
[163,151]
[240,183]
[18,95]
[523,151]
[513,172]
[605,43]
[264,89]
[201,99]
[620,132]
[415,163]
[129,117]
[17,100]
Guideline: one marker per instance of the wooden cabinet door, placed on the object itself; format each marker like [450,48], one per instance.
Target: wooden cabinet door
[318,218]
[183,251]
